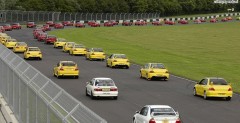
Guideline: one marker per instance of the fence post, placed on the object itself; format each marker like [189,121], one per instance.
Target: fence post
[81,16]
[116,16]
[86,16]
[106,16]
[64,16]
[111,16]
[96,16]
[91,16]
[101,16]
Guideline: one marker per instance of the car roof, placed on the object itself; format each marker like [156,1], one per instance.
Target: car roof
[102,78]
[33,47]
[67,61]
[158,106]
[213,78]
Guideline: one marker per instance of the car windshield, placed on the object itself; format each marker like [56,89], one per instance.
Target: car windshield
[70,44]
[79,46]
[121,56]
[104,82]
[218,81]
[68,64]
[12,40]
[30,22]
[97,50]
[162,111]
[21,44]
[34,49]
[158,66]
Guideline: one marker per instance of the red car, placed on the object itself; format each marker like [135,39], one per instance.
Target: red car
[7,27]
[50,39]
[140,23]
[41,36]
[80,25]
[202,20]
[127,23]
[31,25]
[224,20]
[96,24]
[91,22]
[157,23]
[67,23]
[229,18]
[197,21]
[183,21]
[114,22]
[108,24]
[2,30]
[58,26]
[46,27]
[213,20]
[169,22]
[50,23]
[16,26]
[36,32]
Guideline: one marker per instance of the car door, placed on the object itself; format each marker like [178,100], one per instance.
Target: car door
[142,116]
[144,70]
[109,60]
[56,68]
[200,86]
[90,86]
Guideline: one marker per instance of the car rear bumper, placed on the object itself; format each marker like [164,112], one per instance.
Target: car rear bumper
[120,64]
[159,75]
[79,52]
[72,73]
[105,94]
[219,94]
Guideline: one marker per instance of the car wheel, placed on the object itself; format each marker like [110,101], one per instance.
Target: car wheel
[194,92]
[228,98]
[127,67]
[107,65]
[92,97]
[39,58]
[57,75]
[86,93]
[76,77]
[141,75]
[115,98]
[205,95]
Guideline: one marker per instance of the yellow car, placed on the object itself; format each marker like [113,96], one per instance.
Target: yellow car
[2,35]
[66,68]
[78,49]
[154,71]
[10,43]
[20,47]
[96,54]
[33,52]
[59,43]
[67,46]
[213,87]
[4,39]
[118,60]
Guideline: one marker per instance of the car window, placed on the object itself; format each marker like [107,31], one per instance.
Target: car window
[144,111]
[146,66]
[34,49]
[104,82]
[162,111]
[97,50]
[218,81]
[68,64]
[21,44]
[203,82]
[158,66]
[111,56]
[79,46]
[121,56]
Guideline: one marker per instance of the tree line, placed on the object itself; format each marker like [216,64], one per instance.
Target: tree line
[165,7]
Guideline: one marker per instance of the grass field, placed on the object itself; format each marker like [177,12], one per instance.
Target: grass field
[191,51]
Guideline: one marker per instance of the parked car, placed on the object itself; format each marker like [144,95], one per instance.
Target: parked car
[213,87]
[67,46]
[154,71]
[33,52]
[10,43]
[50,39]
[42,36]
[80,25]
[7,27]
[118,60]
[108,24]
[20,47]
[31,24]
[156,114]
[67,23]
[95,54]
[16,26]
[156,22]
[127,23]
[78,49]
[101,87]
[66,68]
[59,43]
[50,23]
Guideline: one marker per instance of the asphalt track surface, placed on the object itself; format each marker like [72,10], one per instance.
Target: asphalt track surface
[134,92]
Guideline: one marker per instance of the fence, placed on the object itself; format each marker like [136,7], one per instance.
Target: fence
[41,16]
[34,98]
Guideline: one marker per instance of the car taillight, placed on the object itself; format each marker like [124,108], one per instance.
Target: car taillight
[178,121]
[97,89]
[75,49]
[151,71]
[61,68]
[93,54]
[152,120]
[230,89]
[76,69]
[113,89]
[114,60]
[166,72]
[28,53]
[211,89]
[127,60]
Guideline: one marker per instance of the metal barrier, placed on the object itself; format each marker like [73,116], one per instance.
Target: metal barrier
[34,98]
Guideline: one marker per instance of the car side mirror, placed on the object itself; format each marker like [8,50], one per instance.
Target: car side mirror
[137,112]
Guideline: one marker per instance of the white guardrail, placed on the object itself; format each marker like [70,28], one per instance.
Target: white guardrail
[34,98]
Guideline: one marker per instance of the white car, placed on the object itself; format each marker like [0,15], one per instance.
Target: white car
[102,87]
[156,114]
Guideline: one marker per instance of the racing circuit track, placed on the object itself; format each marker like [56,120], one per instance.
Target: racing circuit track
[134,92]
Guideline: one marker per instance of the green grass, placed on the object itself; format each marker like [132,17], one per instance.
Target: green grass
[191,51]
